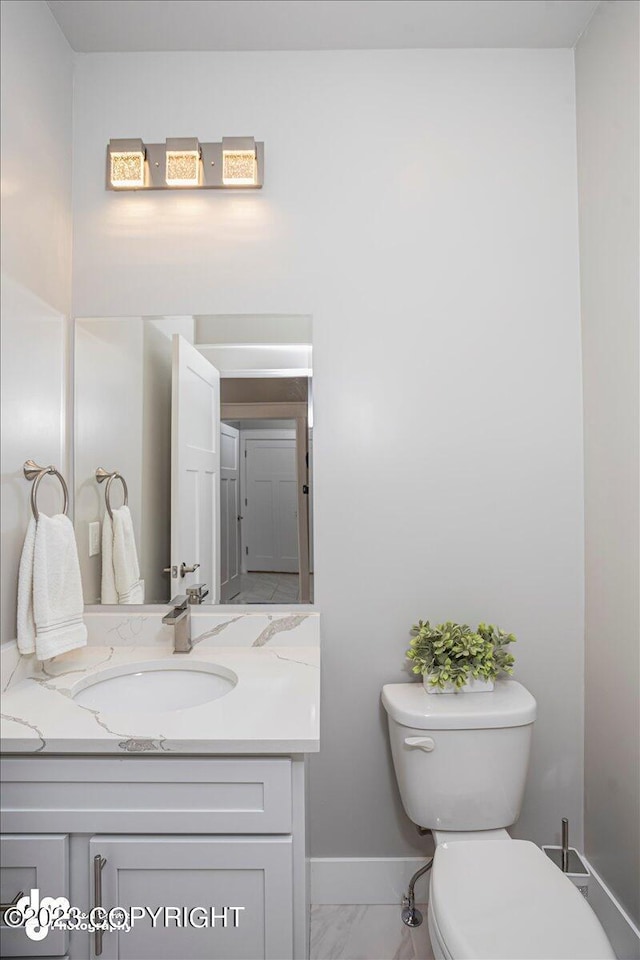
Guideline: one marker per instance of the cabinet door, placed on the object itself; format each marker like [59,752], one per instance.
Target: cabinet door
[211,873]
[38,861]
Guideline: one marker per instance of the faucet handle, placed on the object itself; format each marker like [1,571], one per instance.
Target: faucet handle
[197,592]
[180,602]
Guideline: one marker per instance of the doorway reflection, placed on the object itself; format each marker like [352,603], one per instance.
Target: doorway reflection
[209,419]
[260,511]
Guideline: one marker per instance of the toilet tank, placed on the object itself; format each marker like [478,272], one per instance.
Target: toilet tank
[460,759]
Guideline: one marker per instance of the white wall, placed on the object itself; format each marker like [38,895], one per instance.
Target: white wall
[422,206]
[607,65]
[37,89]
[36,268]
[123,423]
[108,417]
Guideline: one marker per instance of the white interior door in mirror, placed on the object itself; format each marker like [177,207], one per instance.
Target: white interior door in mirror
[229,512]
[271,511]
[195,470]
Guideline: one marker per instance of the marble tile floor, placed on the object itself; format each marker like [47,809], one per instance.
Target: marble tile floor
[267,588]
[366,932]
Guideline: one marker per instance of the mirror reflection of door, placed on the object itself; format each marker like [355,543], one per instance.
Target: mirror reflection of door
[267,535]
[230,516]
[168,403]
[195,472]
[274,494]
[271,513]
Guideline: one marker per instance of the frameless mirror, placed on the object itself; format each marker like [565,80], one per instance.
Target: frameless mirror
[193,457]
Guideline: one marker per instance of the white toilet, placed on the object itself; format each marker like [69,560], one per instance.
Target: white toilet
[461,764]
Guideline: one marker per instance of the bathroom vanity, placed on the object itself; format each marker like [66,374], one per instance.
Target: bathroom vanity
[137,805]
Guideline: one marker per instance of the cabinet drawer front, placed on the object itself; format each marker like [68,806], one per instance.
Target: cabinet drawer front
[147,795]
[27,863]
[197,878]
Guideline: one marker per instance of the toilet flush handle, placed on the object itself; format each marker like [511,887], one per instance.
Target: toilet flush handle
[422,743]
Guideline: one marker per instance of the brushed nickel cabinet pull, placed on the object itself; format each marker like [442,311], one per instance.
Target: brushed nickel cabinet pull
[98,866]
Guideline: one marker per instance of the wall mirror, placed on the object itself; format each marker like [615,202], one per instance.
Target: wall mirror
[193,455]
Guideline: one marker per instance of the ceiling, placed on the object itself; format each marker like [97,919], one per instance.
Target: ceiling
[142,25]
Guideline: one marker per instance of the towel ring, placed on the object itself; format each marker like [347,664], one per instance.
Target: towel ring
[101,476]
[35,473]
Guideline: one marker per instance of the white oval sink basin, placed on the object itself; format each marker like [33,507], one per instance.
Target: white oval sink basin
[154,687]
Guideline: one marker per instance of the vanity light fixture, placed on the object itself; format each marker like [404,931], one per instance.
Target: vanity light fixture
[239,162]
[184,163]
[126,164]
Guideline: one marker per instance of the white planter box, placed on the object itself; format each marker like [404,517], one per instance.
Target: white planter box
[471,686]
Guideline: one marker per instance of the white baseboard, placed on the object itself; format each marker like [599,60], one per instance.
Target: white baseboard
[372,880]
[366,880]
[618,925]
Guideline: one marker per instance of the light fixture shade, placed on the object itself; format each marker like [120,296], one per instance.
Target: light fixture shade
[183,162]
[127,164]
[239,162]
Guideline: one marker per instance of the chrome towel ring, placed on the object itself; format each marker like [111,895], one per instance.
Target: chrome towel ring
[101,476]
[35,473]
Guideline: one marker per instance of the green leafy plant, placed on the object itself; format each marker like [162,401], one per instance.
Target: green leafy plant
[454,653]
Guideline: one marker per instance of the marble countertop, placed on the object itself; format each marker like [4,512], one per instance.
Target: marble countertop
[274,708]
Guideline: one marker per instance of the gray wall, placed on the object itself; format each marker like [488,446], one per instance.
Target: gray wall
[109,390]
[607,112]
[123,422]
[443,281]
[36,269]
[422,206]
[155,443]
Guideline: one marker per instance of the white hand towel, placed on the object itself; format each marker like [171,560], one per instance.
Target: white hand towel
[26,623]
[124,558]
[108,591]
[50,604]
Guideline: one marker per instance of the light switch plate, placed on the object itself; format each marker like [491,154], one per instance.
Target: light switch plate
[94,539]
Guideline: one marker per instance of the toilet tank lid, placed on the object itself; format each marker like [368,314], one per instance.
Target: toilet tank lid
[509,704]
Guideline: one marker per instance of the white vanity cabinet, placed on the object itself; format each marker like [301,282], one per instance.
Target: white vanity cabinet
[195,835]
[228,897]
[28,862]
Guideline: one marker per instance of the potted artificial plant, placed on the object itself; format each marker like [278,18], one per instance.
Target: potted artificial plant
[453,658]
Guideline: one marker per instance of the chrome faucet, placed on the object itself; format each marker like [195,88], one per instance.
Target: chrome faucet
[197,592]
[180,619]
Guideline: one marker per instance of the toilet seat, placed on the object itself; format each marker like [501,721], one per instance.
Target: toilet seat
[508,901]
